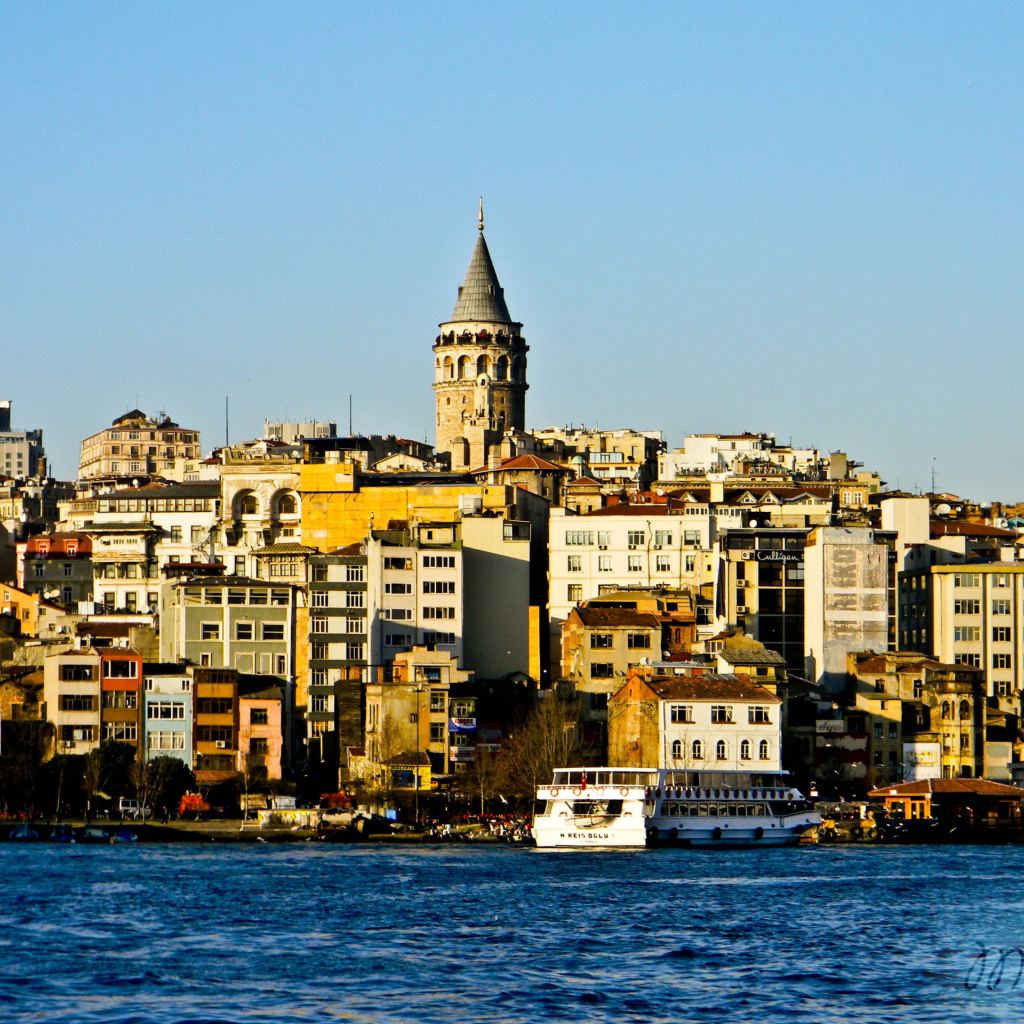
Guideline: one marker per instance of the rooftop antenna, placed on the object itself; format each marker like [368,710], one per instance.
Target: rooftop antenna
[481,214]
[350,416]
[933,474]
[227,422]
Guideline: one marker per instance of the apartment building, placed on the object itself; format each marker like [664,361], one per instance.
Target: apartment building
[626,545]
[216,723]
[92,695]
[410,713]
[21,451]
[260,728]
[168,711]
[968,614]
[57,566]
[136,444]
[694,721]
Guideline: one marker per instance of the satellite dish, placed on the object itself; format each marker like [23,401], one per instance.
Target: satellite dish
[753,522]
[943,510]
[660,493]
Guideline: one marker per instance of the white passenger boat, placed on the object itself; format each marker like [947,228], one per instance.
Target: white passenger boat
[621,807]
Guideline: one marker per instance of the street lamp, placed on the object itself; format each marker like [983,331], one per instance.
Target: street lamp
[416,766]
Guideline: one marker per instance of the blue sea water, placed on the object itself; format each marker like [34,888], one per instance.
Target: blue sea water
[183,933]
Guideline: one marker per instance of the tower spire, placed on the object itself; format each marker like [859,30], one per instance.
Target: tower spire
[481,215]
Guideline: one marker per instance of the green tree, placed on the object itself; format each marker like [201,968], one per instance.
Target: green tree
[25,745]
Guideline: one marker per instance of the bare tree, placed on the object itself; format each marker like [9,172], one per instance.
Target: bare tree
[484,778]
[546,739]
[385,748]
[252,777]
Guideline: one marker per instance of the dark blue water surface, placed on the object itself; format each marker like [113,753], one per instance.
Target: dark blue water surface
[296,933]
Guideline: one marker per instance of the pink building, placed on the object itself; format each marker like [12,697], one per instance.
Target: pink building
[260,736]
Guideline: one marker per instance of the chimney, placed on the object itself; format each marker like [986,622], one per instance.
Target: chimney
[5,415]
[494,457]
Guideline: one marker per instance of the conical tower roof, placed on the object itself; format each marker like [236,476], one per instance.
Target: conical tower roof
[481,297]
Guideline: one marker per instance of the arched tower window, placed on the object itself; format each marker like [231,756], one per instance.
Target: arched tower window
[698,750]
[481,365]
[965,710]
[249,505]
[763,750]
[463,367]
[720,750]
[945,710]
[288,505]
[745,750]
[677,749]
[517,370]
[501,368]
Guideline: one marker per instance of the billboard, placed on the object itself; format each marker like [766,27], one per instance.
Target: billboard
[921,761]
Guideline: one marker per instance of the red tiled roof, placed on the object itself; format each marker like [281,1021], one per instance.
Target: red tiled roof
[525,462]
[710,686]
[966,787]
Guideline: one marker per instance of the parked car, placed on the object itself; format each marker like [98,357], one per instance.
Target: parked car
[129,808]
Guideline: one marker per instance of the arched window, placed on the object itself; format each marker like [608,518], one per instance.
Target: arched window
[745,750]
[288,505]
[720,750]
[945,710]
[698,750]
[463,367]
[677,749]
[481,365]
[965,709]
[250,506]
[449,368]
[762,751]
[501,368]
[517,369]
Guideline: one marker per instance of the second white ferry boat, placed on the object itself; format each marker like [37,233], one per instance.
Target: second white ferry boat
[621,807]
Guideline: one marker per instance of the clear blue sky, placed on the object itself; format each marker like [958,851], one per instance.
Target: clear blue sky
[800,218]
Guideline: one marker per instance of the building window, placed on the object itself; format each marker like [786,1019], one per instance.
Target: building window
[273,631]
[663,538]
[762,750]
[126,732]
[120,700]
[893,731]
[432,587]
[681,713]
[579,537]
[120,670]
[603,539]
[243,631]
[720,750]
[677,749]
[318,599]
[1002,634]
[759,715]
[438,613]
[318,677]
[1002,661]
[355,599]
[639,641]
[966,634]
[604,563]
[1000,579]
[691,538]
[1001,607]
[967,579]
[969,607]
[663,564]
[918,689]
[635,563]
[574,592]
[318,703]
[697,750]
[721,713]
[320,572]
[575,563]
[1003,687]
[353,652]
[636,538]
[600,641]
[210,631]
[318,625]
[972,660]
[745,750]
[76,702]
[165,709]
[602,670]
[355,574]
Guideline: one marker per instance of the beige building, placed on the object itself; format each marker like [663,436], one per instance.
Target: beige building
[704,721]
[479,367]
[409,714]
[136,444]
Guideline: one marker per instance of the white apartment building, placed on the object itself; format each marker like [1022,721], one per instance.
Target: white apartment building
[134,443]
[728,453]
[968,615]
[623,546]
[414,592]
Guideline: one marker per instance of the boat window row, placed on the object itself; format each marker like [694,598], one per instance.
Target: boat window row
[725,780]
[730,810]
[596,777]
